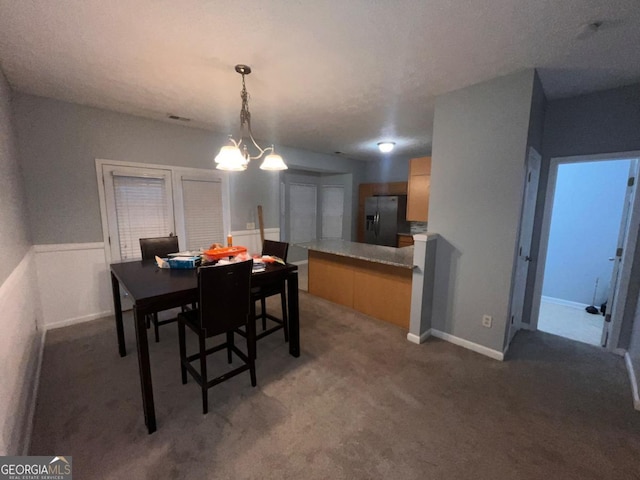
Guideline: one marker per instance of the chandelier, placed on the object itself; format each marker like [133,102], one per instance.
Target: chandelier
[231,157]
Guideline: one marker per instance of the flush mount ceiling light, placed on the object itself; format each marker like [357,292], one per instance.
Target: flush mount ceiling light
[231,158]
[386,147]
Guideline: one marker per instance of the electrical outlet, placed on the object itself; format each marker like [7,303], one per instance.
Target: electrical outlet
[251,225]
[486,321]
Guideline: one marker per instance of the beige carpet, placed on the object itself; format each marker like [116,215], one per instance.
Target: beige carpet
[360,403]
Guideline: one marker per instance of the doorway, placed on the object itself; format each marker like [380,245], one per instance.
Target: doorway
[589,202]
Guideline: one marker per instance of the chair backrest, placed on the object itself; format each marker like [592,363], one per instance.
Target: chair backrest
[277,249]
[225,293]
[160,246]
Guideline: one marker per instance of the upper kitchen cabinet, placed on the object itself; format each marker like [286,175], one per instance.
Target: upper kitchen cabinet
[418,189]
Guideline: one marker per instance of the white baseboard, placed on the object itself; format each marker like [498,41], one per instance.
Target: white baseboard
[31,413]
[633,379]
[461,342]
[301,262]
[76,320]
[566,303]
[413,338]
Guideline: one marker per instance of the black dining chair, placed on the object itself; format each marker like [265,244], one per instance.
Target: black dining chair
[280,250]
[224,306]
[161,247]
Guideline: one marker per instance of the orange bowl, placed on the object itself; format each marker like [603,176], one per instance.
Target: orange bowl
[218,253]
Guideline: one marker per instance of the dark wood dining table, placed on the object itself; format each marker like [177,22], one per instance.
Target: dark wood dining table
[154,289]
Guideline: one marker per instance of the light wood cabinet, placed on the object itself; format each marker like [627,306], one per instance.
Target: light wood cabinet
[418,190]
[405,241]
[375,289]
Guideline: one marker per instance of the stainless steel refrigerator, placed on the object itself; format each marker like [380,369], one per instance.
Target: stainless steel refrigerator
[384,217]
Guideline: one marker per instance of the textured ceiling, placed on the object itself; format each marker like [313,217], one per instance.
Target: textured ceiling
[330,75]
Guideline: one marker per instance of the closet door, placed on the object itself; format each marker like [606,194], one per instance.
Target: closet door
[332,211]
[303,212]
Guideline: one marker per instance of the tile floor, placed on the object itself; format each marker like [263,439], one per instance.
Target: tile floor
[570,322]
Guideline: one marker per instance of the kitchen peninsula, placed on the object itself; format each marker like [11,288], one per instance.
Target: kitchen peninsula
[371,279]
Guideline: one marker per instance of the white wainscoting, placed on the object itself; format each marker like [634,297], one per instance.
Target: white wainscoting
[21,347]
[74,283]
[251,238]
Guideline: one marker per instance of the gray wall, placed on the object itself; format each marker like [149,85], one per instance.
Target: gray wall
[597,123]
[60,141]
[479,149]
[389,168]
[18,298]
[14,230]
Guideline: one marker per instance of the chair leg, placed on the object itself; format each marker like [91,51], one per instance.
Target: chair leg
[252,317]
[230,342]
[203,373]
[251,350]
[263,306]
[285,320]
[148,319]
[183,351]
[156,327]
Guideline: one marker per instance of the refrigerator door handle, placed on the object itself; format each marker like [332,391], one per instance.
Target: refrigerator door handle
[377,224]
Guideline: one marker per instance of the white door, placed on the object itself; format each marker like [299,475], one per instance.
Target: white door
[332,211]
[303,212]
[614,284]
[523,260]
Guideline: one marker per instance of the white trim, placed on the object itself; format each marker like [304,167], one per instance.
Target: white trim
[65,247]
[252,232]
[461,342]
[31,412]
[633,378]
[301,262]
[76,320]
[565,303]
[419,339]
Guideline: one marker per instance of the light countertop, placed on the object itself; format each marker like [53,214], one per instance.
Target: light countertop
[397,257]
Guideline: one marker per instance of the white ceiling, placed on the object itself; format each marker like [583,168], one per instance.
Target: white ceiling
[328,75]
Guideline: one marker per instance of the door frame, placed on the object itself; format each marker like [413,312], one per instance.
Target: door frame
[617,309]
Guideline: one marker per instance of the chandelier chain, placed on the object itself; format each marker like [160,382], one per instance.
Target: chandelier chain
[245,115]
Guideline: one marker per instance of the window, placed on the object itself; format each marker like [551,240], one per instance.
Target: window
[203,212]
[139,201]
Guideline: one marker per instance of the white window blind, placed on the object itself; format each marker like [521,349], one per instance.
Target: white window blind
[141,210]
[303,200]
[332,211]
[203,212]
